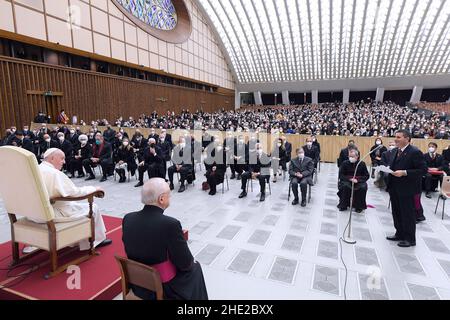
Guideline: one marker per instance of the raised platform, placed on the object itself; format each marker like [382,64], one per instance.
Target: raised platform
[100,276]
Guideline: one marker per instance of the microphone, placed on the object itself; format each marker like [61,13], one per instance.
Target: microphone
[348,239]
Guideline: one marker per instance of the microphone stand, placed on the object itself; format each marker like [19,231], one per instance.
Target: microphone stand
[348,239]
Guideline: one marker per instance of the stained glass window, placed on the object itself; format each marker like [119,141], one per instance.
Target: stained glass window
[159,14]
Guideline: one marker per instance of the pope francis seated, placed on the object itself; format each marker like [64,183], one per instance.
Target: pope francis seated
[59,185]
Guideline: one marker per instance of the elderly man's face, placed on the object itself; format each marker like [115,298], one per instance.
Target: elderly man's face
[58,160]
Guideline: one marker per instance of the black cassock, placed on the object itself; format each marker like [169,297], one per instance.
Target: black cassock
[346,172]
[150,237]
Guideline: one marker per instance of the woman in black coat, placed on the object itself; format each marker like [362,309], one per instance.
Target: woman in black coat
[346,173]
[125,159]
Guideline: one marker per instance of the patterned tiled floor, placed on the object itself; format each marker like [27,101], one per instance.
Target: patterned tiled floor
[272,250]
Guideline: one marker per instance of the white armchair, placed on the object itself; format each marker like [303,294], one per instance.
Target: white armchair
[24,193]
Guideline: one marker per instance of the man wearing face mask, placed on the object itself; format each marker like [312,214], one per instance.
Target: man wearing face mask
[343,155]
[72,137]
[153,134]
[215,166]
[279,159]
[346,173]
[18,140]
[65,146]
[434,162]
[300,172]
[183,164]
[376,156]
[311,151]
[152,161]
[101,155]
[109,134]
[240,156]
[259,169]
[82,151]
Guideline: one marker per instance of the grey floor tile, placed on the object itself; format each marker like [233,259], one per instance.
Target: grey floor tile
[259,237]
[244,261]
[283,270]
[299,225]
[436,245]
[366,256]
[409,263]
[201,227]
[292,243]
[208,254]
[445,264]
[229,232]
[419,292]
[361,234]
[327,249]
[328,229]
[243,216]
[270,220]
[326,279]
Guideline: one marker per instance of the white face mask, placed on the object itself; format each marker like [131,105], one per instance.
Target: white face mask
[61,139]
[301,156]
[72,131]
[431,150]
[125,143]
[391,147]
[47,140]
[83,143]
[378,142]
[309,144]
[353,160]
[279,145]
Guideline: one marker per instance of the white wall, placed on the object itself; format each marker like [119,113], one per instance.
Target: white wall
[104,30]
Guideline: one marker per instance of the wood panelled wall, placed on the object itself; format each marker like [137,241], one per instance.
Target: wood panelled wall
[90,95]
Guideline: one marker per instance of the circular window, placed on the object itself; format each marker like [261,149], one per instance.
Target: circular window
[167,20]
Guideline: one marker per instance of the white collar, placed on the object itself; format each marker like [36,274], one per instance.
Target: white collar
[48,164]
[403,149]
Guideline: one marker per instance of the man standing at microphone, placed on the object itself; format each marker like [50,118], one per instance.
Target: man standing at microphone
[408,166]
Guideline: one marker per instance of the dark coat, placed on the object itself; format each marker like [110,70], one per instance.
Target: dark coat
[413,161]
[305,167]
[150,237]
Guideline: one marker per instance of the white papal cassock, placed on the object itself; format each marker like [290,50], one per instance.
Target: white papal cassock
[59,185]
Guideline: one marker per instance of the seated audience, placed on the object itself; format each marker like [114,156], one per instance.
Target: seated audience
[183,164]
[344,154]
[215,166]
[157,240]
[312,151]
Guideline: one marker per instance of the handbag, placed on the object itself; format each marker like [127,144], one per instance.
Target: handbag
[205,186]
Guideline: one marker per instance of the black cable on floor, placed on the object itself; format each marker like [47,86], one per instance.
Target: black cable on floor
[21,277]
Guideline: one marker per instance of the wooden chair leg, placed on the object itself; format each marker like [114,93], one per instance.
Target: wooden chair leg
[15,253]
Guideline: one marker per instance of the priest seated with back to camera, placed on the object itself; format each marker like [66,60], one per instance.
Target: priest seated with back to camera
[347,176]
[157,240]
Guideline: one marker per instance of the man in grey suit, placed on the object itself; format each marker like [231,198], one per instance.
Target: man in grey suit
[301,171]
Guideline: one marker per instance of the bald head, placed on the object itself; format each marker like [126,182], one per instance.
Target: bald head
[156,192]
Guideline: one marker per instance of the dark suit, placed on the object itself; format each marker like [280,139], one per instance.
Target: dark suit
[313,153]
[288,147]
[150,237]
[257,167]
[306,168]
[104,154]
[343,156]
[77,164]
[402,190]
[155,165]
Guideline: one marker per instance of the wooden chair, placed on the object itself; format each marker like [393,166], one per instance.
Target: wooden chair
[141,275]
[444,194]
[38,227]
